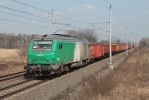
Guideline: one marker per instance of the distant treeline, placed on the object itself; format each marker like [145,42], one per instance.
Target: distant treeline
[10,40]
[144,42]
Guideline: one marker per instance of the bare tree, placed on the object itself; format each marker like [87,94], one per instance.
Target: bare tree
[88,34]
[104,41]
[144,42]
[71,32]
[10,40]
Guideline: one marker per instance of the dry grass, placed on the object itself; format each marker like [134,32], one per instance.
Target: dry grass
[11,54]
[129,82]
[22,51]
[8,54]
[10,61]
[8,67]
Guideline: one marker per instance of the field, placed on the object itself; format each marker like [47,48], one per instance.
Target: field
[129,82]
[8,54]
[10,62]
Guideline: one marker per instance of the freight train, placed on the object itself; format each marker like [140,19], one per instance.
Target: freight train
[56,53]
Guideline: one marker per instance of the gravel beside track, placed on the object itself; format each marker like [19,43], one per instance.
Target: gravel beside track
[56,86]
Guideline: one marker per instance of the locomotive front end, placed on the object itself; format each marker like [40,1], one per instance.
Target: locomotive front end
[40,56]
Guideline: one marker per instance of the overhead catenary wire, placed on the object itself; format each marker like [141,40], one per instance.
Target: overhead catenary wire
[99,23]
[23,16]
[76,27]
[23,23]
[64,17]
[48,12]
[61,28]
[61,23]
[23,12]
[31,6]
[71,19]
[84,28]
[75,20]
[28,14]
[114,11]
[95,26]
[107,2]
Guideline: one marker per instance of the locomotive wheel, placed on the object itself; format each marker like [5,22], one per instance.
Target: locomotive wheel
[66,68]
[58,71]
[62,69]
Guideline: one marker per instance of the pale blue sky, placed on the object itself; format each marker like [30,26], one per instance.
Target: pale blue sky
[131,13]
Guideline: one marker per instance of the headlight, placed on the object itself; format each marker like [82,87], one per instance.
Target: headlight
[30,60]
[49,60]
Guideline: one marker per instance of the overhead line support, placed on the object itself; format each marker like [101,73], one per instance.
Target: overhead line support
[52,21]
[110,39]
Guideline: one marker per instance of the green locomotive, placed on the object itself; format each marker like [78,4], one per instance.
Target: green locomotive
[55,53]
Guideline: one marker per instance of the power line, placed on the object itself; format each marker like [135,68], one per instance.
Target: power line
[22,16]
[23,12]
[77,27]
[31,6]
[71,19]
[115,13]
[93,24]
[107,2]
[61,24]
[64,17]
[61,28]
[23,23]
[83,28]
[50,13]
[75,20]
[99,23]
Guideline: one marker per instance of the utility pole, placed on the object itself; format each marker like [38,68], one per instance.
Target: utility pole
[110,37]
[126,41]
[131,43]
[52,21]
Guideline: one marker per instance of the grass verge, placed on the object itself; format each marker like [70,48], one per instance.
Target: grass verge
[128,82]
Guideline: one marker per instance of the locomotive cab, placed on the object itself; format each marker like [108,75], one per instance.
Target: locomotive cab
[40,56]
[39,51]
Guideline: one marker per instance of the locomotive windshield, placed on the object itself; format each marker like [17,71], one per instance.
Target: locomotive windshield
[43,45]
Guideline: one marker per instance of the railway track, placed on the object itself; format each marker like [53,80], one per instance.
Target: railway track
[11,90]
[23,88]
[12,76]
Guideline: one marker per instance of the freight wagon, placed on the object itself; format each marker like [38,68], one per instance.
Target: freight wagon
[96,51]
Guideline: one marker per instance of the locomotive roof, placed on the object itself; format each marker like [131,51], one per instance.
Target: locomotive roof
[60,37]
